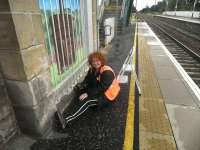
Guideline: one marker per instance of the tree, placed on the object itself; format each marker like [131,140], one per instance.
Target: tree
[160,7]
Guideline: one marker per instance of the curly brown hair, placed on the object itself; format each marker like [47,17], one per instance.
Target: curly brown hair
[98,56]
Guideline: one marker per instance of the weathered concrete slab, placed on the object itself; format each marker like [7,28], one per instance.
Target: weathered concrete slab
[29,93]
[157,53]
[27,31]
[161,61]
[166,73]
[186,126]
[155,48]
[181,101]
[24,5]
[8,37]
[35,60]
[12,66]
[36,120]
[173,89]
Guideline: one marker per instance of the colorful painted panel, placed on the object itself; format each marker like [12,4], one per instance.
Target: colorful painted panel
[63,28]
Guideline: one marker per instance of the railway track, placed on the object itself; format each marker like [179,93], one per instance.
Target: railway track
[188,57]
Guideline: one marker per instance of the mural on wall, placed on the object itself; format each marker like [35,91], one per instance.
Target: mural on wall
[63,26]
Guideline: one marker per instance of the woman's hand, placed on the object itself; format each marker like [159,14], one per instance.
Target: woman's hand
[83,96]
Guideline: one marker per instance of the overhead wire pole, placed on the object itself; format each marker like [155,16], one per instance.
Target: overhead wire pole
[136,6]
[129,11]
[195,2]
[166,7]
[116,17]
[176,6]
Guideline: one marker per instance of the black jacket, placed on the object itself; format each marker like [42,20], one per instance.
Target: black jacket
[95,88]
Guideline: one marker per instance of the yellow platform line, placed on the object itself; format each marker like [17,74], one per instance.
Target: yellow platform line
[129,130]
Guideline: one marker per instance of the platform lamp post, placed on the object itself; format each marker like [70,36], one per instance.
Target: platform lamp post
[195,2]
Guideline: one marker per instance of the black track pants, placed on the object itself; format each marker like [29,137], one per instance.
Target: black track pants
[80,109]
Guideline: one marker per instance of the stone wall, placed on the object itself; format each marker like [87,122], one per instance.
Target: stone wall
[8,124]
[26,67]
[25,64]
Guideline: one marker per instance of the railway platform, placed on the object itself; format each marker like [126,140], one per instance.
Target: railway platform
[169,106]
[186,19]
[164,117]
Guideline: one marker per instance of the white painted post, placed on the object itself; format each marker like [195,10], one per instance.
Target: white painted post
[176,6]
[166,5]
[195,2]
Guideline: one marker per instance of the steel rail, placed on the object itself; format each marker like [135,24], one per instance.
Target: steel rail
[186,48]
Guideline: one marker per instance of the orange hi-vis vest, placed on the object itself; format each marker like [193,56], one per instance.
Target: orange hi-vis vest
[113,90]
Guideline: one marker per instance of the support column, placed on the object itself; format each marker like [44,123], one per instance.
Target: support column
[89,12]
[94,22]
[24,61]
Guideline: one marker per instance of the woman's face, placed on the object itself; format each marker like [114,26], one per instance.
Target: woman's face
[96,63]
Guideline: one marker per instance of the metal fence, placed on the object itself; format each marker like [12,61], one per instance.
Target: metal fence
[63,27]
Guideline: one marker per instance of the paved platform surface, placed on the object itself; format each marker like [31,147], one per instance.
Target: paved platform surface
[154,126]
[192,20]
[180,101]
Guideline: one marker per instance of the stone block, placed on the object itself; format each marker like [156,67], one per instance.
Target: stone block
[1,76]
[1,83]
[38,29]
[35,60]
[4,6]
[24,5]
[36,120]
[26,65]
[2,144]
[8,37]
[12,65]
[26,29]
[21,93]
[7,126]
[5,110]
[29,93]
[2,92]
[4,99]
[42,85]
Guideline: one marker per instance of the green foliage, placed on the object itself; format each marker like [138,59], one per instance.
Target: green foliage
[160,7]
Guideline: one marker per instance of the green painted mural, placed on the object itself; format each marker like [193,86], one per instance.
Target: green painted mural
[63,26]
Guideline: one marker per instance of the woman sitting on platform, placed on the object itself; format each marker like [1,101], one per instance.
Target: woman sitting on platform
[99,88]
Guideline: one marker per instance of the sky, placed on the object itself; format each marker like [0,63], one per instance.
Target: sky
[143,3]
[54,4]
